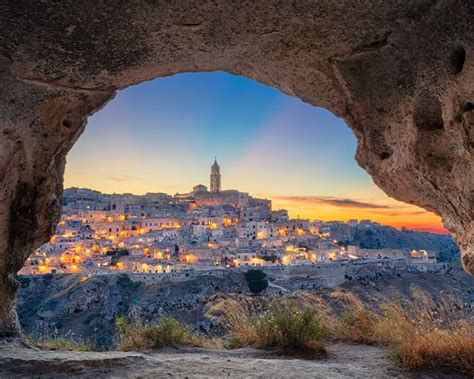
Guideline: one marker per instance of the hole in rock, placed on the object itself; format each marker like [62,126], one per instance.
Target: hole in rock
[385,155]
[428,114]
[182,184]
[467,106]
[458,57]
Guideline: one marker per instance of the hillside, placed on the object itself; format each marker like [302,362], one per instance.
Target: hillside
[85,308]
[387,237]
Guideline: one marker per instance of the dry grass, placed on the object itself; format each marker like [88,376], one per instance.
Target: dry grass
[289,330]
[450,349]
[356,325]
[426,336]
[417,339]
[166,332]
[64,344]
[236,316]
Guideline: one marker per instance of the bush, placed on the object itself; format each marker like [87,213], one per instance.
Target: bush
[256,280]
[288,329]
[166,332]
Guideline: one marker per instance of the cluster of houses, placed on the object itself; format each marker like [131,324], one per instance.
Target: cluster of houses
[200,230]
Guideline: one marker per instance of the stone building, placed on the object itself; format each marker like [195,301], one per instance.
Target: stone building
[215,177]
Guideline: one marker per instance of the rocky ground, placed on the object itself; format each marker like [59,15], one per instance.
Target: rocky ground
[344,361]
[84,308]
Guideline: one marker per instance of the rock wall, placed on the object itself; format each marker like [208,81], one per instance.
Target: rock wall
[401,74]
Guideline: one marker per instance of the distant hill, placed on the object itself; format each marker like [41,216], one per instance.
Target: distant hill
[387,237]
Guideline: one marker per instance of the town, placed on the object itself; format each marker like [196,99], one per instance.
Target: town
[204,231]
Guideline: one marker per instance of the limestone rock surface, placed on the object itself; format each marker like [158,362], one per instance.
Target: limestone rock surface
[400,73]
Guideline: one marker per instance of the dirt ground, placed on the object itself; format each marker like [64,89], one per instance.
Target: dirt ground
[344,361]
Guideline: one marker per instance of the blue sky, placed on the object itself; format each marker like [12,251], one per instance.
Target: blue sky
[162,136]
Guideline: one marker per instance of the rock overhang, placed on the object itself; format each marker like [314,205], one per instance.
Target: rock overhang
[400,74]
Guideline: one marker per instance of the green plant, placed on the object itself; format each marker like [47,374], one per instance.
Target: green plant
[291,330]
[166,332]
[256,280]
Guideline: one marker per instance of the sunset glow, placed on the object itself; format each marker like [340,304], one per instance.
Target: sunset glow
[162,136]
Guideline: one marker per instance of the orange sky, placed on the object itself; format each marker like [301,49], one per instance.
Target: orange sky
[163,135]
[392,213]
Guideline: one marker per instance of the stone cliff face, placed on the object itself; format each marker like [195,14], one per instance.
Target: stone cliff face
[399,73]
[84,309]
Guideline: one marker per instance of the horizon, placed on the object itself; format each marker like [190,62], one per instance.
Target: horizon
[293,217]
[266,142]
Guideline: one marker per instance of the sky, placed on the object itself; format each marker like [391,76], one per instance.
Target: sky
[163,136]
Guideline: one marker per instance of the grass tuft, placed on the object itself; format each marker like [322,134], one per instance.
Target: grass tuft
[64,344]
[166,332]
[417,340]
[288,329]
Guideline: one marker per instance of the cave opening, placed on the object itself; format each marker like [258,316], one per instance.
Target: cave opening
[156,141]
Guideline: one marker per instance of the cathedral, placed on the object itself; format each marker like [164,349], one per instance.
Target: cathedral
[200,196]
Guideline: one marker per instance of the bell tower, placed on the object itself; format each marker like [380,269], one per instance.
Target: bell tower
[215,177]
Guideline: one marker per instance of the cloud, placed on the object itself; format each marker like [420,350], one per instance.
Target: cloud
[405,213]
[121,178]
[333,201]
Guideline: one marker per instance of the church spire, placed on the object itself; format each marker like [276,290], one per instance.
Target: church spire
[215,177]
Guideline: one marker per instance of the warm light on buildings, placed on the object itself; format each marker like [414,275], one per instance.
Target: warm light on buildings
[43,269]
[418,253]
[236,262]
[332,256]
[285,260]
[257,261]
[190,258]
[120,266]
[74,268]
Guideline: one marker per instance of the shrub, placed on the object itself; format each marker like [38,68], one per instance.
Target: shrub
[256,280]
[288,329]
[166,332]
